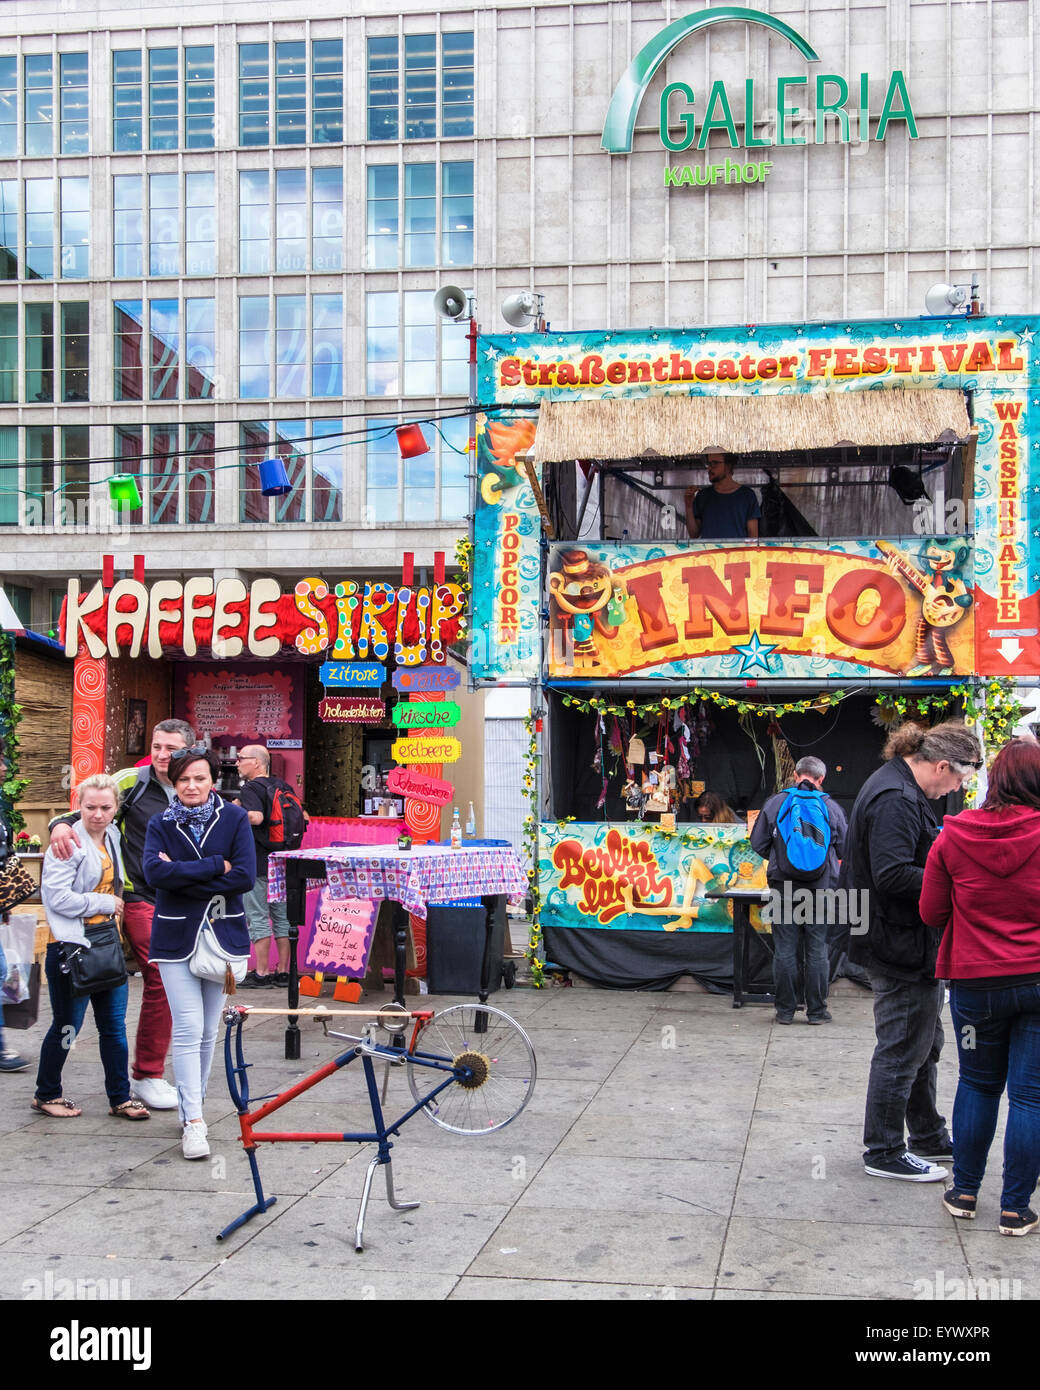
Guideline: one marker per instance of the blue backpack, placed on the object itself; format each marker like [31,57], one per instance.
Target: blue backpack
[803,835]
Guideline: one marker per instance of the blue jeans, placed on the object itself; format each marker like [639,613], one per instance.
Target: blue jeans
[68,1015]
[998,1041]
[3,976]
[787,945]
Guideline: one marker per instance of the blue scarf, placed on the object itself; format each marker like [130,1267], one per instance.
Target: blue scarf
[195,818]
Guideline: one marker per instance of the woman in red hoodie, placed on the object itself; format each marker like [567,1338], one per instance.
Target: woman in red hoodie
[982,884]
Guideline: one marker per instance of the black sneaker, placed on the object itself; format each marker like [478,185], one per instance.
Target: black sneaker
[907,1167]
[255,981]
[785,1018]
[943,1151]
[1020,1224]
[960,1204]
[825,1017]
[281,980]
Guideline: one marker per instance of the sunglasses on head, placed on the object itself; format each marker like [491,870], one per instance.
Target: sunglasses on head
[958,762]
[199,751]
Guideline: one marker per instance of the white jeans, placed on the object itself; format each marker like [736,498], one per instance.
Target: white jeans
[196,1008]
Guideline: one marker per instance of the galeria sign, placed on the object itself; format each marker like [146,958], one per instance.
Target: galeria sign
[837,107]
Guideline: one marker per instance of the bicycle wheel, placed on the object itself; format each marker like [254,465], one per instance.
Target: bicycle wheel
[500,1069]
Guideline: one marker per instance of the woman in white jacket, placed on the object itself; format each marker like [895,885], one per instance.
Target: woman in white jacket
[85,888]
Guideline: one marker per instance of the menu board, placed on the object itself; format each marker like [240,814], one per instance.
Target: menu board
[241,704]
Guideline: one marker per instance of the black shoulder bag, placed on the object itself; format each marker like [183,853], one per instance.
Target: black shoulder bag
[102,967]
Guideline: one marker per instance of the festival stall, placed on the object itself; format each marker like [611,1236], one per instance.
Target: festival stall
[895,572]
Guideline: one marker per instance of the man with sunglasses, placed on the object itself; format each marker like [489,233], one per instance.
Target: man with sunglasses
[891,829]
[150,792]
[727,510]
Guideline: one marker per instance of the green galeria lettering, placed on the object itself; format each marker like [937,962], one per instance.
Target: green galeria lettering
[686,118]
[784,111]
[751,140]
[718,97]
[834,108]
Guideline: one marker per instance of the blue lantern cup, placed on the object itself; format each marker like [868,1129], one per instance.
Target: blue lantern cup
[274,481]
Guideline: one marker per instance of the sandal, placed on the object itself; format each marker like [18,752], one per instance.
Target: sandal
[131,1110]
[60,1109]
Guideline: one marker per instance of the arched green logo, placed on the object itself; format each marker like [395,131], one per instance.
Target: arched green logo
[629,92]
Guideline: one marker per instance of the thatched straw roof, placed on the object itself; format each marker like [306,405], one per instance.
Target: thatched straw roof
[674,426]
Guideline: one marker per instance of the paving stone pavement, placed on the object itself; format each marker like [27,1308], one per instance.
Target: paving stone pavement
[674,1148]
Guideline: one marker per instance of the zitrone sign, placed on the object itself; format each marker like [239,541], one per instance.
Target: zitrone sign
[737,117]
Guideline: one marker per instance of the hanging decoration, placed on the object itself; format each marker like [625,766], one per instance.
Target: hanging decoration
[533,724]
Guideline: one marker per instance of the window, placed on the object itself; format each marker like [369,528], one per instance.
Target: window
[327,219]
[39,229]
[8,353]
[199,97]
[200,224]
[75,351]
[254,346]
[177,479]
[129,363]
[435,221]
[199,477]
[164,248]
[8,105]
[163,225]
[9,229]
[9,476]
[427,87]
[39,352]
[327,91]
[290,93]
[404,357]
[327,345]
[127,105]
[57,489]
[38,78]
[128,227]
[74,99]
[254,94]
[21,601]
[291,83]
[164,476]
[254,222]
[432,486]
[290,219]
[177,343]
[163,105]
[313,454]
[75,228]
[290,377]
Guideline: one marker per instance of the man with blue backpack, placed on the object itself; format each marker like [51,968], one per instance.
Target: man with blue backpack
[801,835]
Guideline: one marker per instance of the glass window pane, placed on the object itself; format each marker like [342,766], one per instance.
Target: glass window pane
[8,229]
[164,482]
[254,345]
[383,89]
[164,327]
[164,225]
[200,347]
[290,345]
[128,226]
[327,219]
[39,352]
[39,474]
[199,473]
[75,228]
[163,99]
[199,97]
[72,69]
[252,505]
[8,354]
[129,362]
[327,90]
[9,476]
[254,121]
[291,219]
[200,224]
[8,105]
[327,345]
[127,104]
[75,351]
[38,98]
[39,229]
[254,222]
[74,505]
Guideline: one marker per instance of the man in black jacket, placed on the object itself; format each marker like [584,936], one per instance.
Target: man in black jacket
[891,830]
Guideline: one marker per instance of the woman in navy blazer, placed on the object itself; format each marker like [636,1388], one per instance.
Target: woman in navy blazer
[199,856]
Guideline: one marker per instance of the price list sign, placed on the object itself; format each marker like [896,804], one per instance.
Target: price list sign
[242,705]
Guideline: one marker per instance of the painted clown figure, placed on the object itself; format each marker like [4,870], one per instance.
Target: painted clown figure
[586,598]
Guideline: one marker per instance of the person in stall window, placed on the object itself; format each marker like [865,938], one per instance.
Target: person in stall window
[711,809]
[727,510]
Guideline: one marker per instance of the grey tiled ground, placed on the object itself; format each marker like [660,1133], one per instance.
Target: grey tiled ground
[673,1149]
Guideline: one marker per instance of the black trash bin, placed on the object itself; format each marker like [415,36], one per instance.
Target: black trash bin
[455,938]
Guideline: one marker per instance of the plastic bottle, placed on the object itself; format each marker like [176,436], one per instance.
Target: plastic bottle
[471,823]
[456,830]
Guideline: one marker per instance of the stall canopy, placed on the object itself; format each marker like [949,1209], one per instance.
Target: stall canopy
[674,427]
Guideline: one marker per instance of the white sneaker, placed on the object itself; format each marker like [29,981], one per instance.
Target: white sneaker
[193,1140]
[154,1092]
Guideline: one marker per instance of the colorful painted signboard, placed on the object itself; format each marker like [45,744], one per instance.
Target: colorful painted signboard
[769,609]
[412,715]
[419,786]
[635,878]
[993,358]
[341,935]
[426,678]
[339,674]
[351,709]
[427,748]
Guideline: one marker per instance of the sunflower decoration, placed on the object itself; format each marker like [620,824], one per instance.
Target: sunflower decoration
[885,714]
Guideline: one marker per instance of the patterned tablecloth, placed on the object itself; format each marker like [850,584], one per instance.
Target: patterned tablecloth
[415,877]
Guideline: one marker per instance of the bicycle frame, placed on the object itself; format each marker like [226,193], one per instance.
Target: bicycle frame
[238,1085]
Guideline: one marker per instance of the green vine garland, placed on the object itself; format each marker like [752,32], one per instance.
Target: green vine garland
[10,717]
[530,786]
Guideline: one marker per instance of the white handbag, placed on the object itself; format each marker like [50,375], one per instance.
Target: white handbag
[208,961]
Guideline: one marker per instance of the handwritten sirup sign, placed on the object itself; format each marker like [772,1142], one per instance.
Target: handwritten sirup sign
[342,674]
[424,678]
[350,709]
[341,936]
[418,786]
